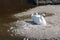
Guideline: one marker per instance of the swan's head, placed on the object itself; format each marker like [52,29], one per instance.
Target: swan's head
[36,13]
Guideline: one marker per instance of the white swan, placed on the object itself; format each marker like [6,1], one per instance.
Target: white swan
[38,19]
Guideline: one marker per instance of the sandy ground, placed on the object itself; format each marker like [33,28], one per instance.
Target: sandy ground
[26,28]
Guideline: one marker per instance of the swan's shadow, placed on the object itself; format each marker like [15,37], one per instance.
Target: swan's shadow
[31,22]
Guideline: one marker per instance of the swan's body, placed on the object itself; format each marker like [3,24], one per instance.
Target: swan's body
[38,19]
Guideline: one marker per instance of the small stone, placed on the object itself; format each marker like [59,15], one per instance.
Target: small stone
[11,34]
[11,28]
[25,39]
[8,30]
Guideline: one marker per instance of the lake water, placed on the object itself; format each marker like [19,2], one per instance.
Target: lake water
[6,17]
